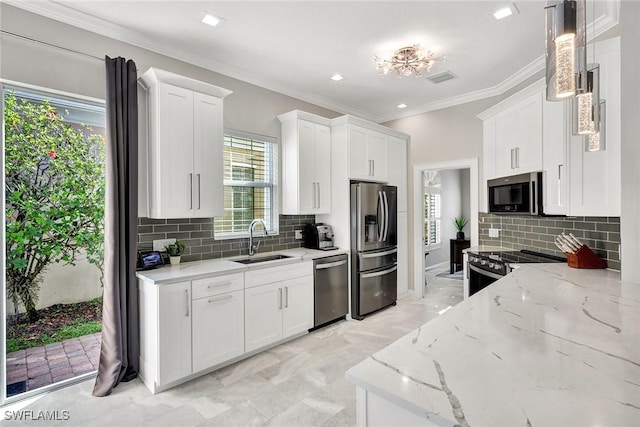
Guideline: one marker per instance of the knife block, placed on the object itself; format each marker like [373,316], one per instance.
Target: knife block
[585,258]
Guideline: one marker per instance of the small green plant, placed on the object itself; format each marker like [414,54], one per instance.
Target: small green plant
[175,249]
[460,222]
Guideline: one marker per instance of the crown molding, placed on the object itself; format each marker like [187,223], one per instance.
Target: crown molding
[60,12]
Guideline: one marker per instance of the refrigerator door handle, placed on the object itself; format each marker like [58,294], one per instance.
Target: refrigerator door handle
[380,273]
[379,254]
[382,219]
[386,216]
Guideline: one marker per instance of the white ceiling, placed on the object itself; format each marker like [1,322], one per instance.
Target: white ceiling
[294,47]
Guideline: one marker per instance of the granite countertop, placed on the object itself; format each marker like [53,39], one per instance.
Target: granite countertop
[216,267]
[547,345]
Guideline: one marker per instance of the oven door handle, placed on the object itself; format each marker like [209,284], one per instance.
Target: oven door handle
[485,272]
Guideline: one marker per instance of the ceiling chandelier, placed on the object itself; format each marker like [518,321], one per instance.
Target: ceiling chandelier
[406,61]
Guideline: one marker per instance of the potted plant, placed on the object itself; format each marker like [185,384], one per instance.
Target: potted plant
[175,250]
[460,222]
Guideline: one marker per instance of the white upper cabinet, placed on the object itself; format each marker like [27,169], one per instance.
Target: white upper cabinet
[554,157]
[184,147]
[306,164]
[397,158]
[367,154]
[595,182]
[518,137]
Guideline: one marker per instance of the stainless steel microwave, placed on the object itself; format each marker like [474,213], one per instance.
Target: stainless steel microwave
[517,194]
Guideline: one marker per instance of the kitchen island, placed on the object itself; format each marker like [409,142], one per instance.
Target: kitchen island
[547,345]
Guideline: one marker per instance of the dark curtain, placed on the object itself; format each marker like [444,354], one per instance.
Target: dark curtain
[120,318]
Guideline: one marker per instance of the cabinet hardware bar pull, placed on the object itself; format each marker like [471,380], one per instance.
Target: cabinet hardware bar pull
[559,172]
[318,184]
[512,158]
[517,157]
[279,298]
[199,195]
[373,168]
[218,285]
[186,299]
[286,296]
[190,191]
[222,298]
[313,184]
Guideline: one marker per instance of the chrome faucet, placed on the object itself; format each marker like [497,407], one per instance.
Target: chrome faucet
[253,249]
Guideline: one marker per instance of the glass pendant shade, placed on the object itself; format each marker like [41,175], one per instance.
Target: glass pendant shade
[586,105]
[566,49]
[596,141]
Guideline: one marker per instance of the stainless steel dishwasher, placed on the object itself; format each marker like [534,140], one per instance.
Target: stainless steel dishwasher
[331,289]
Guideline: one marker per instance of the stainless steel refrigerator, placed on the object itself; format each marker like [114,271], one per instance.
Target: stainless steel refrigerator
[374,251]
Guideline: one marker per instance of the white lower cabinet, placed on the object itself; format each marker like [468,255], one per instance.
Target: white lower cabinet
[297,312]
[218,329]
[275,310]
[263,316]
[174,332]
[192,327]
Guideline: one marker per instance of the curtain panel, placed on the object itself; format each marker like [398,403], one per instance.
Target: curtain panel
[120,347]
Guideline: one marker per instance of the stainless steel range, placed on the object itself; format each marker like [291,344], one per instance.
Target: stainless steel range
[484,268]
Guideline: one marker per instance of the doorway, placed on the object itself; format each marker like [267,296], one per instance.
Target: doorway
[442,191]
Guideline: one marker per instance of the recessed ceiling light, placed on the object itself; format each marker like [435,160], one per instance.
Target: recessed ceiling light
[505,11]
[336,77]
[402,106]
[212,20]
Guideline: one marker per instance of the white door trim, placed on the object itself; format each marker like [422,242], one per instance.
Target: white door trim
[418,211]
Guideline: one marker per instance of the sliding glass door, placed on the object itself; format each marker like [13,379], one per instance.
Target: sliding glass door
[53,215]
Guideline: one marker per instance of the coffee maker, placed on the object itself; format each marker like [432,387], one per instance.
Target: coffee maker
[318,236]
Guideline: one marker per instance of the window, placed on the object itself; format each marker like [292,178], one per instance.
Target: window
[432,220]
[250,184]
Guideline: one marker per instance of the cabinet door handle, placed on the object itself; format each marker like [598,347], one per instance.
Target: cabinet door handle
[560,201]
[512,158]
[186,300]
[218,285]
[318,194]
[286,296]
[221,298]
[199,196]
[373,168]
[190,191]
[517,157]
[313,185]
[279,298]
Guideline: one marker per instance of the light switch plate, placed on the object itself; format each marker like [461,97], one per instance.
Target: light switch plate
[494,232]
[298,235]
[158,245]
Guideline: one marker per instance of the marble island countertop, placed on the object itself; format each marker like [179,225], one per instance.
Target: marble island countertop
[220,266]
[547,345]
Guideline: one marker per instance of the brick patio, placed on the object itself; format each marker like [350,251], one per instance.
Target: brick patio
[41,366]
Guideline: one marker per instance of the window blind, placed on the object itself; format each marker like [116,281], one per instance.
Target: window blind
[250,177]
[432,221]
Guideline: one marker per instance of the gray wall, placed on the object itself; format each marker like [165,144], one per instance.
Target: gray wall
[601,234]
[250,108]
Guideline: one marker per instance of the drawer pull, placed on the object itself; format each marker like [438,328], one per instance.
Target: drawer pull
[219,285]
[221,298]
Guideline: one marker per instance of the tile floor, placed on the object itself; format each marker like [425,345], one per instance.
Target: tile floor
[300,383]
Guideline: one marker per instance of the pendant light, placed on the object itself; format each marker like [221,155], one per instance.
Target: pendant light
[566,49]
[597,140]
[586,105]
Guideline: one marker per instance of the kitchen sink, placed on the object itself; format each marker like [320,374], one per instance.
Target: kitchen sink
[255,260]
